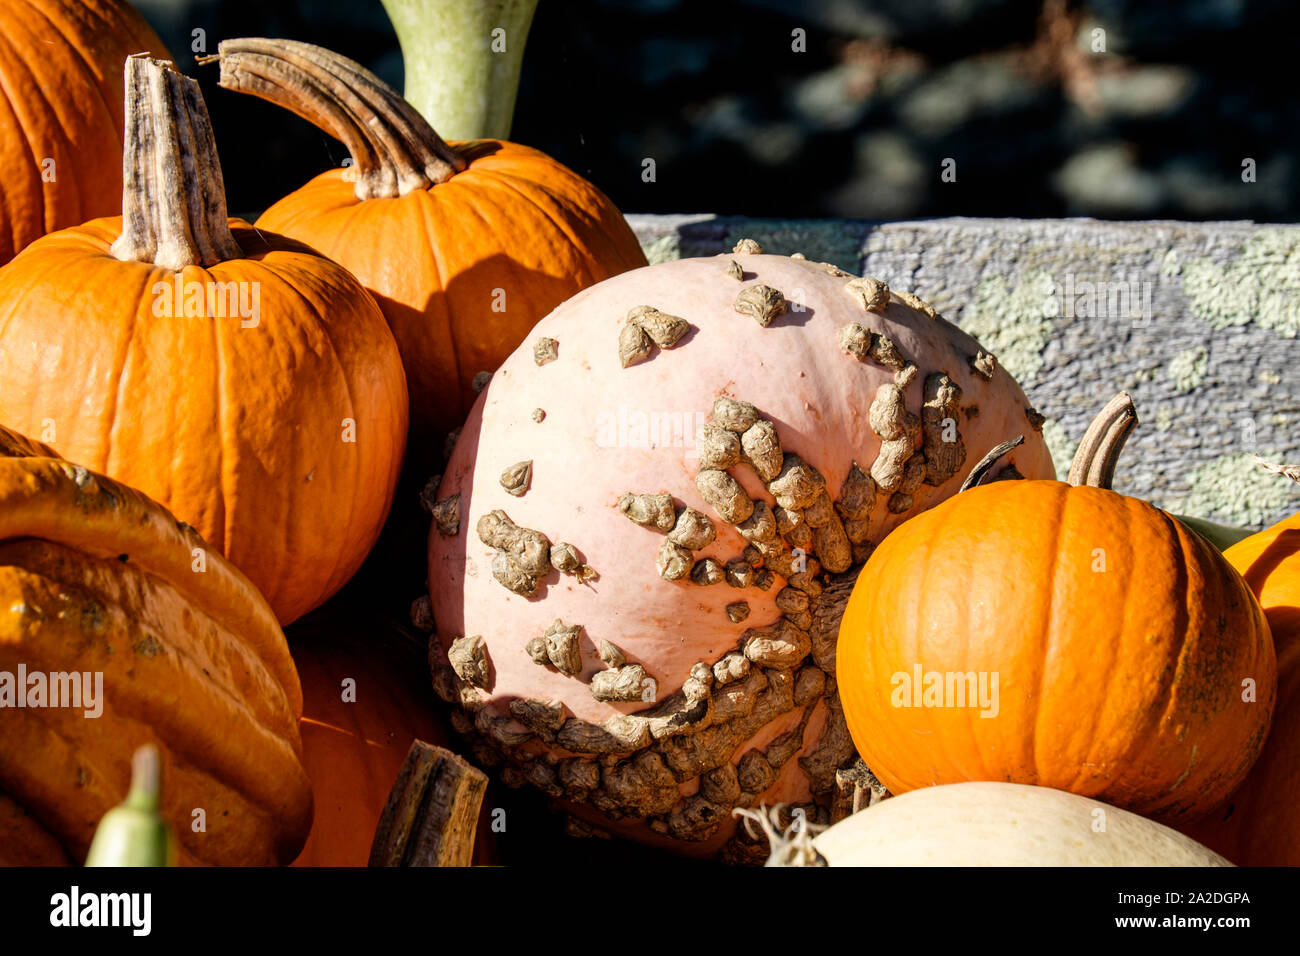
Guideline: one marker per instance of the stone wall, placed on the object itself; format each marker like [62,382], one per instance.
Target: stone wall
[1198,321]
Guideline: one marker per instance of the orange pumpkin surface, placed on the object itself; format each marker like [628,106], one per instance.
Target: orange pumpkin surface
[97,579]
[353,749]
[61,115]
[1111,643]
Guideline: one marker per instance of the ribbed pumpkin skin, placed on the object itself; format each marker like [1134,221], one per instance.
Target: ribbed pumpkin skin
[514,223]
[238,431]
[96,577]
[1125,685]
[353,750]
[61,70]
[1260,824]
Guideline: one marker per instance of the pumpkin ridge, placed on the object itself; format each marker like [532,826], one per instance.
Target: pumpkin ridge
[322,320]
[550,216]
[520,184]
[130,314]
[188,737]
[1114,643]
[218,591]
[107,601]
[110,109]
[51,267]
[1203,551]
[1160,714]
[30,168]
[973,718]
[1044,653]
[224,519]
[209,649]
[425,212]
[922,589]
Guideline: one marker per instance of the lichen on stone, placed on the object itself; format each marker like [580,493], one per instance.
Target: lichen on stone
[1060,445]
[1235,489]
[1261,285]
[1187,369]
[1012,322]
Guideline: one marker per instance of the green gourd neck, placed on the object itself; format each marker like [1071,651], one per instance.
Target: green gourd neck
[463,59]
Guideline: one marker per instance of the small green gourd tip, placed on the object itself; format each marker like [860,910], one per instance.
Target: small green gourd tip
[134,833]
[146,779]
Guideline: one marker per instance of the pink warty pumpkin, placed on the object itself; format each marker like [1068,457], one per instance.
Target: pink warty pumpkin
[647,531]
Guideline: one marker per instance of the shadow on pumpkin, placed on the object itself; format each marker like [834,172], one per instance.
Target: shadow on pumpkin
[1285,547]
[353,749]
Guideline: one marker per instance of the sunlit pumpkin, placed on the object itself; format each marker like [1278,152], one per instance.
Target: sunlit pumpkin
[1062,635]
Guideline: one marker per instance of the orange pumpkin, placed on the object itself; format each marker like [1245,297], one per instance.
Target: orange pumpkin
[233,375]
[1260,824]
[98,580]
[1066,636]
[61,115]
[353,749]
[465,246]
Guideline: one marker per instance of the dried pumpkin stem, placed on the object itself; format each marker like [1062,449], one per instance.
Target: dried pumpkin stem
[394,151]
[1094,462]
[985,464]
[173,197]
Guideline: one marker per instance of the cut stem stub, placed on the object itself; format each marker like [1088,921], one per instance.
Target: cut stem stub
[173,195]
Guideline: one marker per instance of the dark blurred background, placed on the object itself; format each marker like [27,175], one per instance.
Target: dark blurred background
[860,124]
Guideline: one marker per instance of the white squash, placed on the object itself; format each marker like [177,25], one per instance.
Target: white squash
[990,824]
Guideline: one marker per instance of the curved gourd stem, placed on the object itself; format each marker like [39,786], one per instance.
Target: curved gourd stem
[173,197]
[462,60]
[1094,462]
[394,151]
[985,464]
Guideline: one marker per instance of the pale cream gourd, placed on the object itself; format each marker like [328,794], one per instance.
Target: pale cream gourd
[994,824]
